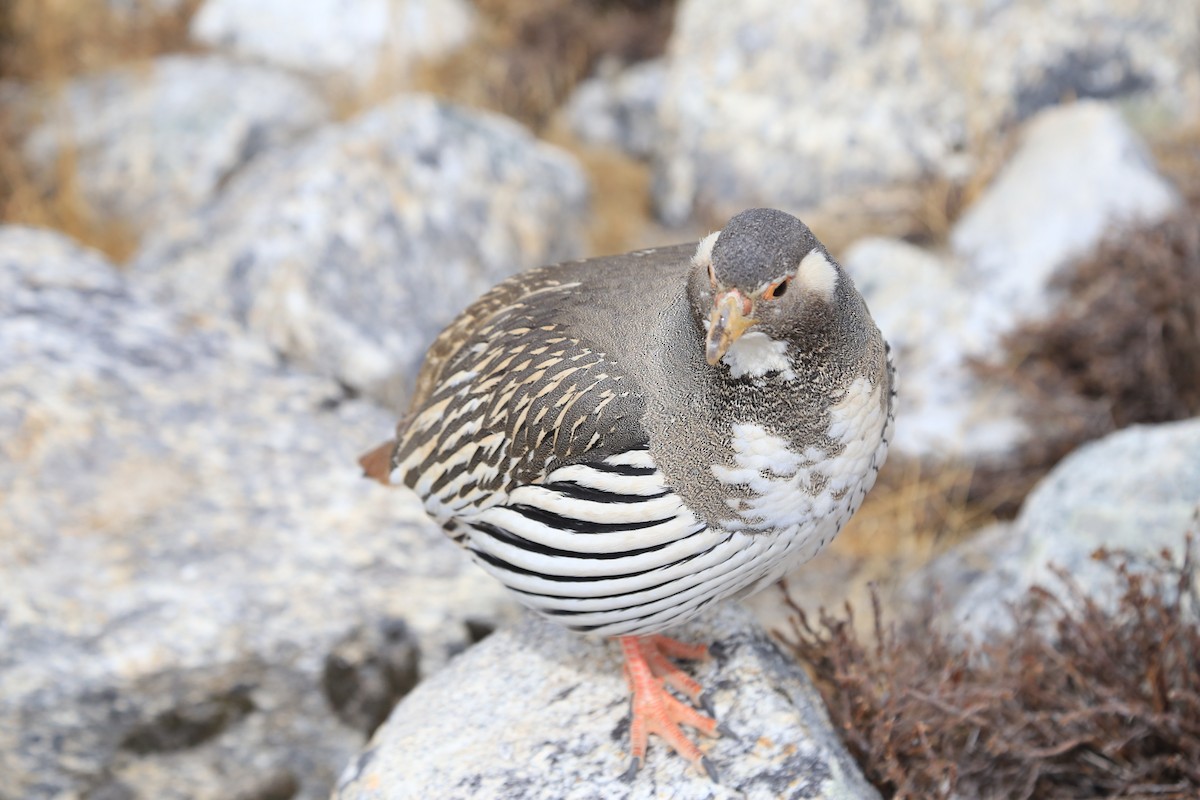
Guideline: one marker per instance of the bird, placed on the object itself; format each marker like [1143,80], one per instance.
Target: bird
[624,441]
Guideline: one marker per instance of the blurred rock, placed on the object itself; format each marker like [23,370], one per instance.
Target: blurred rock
[149,144]
[1137,489]
[142,7]
[619,108]
[789,104]
[920,302]
[200,597]
[1079,174]
[353,41]
[538,712]
[349,252]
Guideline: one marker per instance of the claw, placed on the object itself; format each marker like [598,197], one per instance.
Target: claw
[655,710]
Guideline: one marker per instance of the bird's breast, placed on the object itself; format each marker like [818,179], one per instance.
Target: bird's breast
[805,487]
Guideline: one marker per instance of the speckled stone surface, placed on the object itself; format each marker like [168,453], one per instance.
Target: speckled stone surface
[537,712]
[349,252]
[1137,489]
[200,597]
[352,41]
[789,104]
[153,142]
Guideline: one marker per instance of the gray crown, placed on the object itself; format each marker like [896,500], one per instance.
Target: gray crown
[760,245]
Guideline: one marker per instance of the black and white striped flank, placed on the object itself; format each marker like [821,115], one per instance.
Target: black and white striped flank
[607,548]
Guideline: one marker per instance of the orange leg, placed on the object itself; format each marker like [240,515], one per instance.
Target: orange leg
[656,710]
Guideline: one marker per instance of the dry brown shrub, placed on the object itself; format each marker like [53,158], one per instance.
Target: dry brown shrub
[528,54]
[1085,699]
[1124,346]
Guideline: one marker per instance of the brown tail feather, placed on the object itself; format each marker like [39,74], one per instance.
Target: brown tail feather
[377,463]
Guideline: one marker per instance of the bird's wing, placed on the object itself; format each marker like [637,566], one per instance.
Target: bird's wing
[513,403]
[457,349]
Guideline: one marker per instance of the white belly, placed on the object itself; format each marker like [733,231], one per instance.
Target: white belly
[801,499]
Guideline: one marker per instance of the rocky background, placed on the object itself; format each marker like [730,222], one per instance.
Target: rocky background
[228,230]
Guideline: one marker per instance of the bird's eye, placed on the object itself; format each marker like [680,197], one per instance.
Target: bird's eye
[777,290]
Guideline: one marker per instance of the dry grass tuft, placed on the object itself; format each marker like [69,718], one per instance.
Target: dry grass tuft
[60,204]
[921,212]
[528,55]
[49,40]
[620,205]
[1107,705]
[912,502]
[941,201]
[1178,155]
[46,42]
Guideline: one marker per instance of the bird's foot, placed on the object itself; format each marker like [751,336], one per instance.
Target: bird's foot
[655,709]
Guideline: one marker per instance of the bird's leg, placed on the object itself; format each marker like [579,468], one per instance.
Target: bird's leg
[656,710]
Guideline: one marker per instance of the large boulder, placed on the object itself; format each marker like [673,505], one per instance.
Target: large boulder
[199,595]
[1136,490]
[538,712]
[350,251]
[151,143]
[790,104]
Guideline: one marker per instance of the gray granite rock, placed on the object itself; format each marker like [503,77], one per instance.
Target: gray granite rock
[537,712]
[352,41]
[199,595]
[1137,489]
[789,104]
[1079,174]
[154,142]
[619,108]
[350,251]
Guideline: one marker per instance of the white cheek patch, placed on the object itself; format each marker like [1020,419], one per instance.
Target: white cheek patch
[703,257]
[817,275]
[755,354]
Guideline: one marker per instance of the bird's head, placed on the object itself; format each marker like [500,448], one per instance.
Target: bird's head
[757,285]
